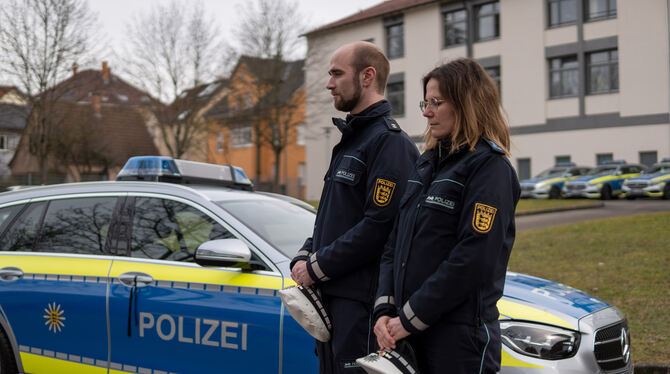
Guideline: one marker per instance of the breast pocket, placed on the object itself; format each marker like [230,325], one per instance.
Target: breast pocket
[350,170]
[444,196]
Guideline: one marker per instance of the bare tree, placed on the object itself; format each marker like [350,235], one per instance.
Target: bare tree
[40,40]
[173,49]
[271,30]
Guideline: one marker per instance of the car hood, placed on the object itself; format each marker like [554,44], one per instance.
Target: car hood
[528,297]
[648,177]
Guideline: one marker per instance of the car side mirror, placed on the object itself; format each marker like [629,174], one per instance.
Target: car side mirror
[619,172]
[222,252]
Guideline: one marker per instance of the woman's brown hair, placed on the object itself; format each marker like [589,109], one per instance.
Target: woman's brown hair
[474,96]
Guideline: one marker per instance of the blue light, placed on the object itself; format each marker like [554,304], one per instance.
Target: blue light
[149,166]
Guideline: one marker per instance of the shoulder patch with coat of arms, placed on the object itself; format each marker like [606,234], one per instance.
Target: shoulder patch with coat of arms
[383,192]
[482,218]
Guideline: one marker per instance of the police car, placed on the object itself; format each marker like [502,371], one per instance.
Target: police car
[604,182]
[548,184]
[177,268]
[654,182]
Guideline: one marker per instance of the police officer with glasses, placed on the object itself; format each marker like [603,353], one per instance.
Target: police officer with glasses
[443,268]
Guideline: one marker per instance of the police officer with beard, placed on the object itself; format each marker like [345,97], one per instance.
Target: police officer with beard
[362,187]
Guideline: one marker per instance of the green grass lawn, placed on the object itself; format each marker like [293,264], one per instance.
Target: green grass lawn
[526,205]
[624,261]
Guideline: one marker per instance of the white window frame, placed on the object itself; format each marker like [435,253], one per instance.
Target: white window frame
[241,137]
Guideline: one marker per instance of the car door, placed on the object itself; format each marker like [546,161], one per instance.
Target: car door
[168,314]
[54,282]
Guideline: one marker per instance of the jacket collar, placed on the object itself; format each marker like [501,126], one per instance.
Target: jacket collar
[359,120]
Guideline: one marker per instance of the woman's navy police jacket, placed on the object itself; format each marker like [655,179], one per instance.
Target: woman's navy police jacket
[362,190]
[446,258]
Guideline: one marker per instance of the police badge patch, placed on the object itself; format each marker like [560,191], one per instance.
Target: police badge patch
[383,192]
[482,218]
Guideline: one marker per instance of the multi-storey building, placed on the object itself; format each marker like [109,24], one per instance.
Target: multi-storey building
[581,80]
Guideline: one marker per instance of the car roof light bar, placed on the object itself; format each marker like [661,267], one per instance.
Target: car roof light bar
[168,169]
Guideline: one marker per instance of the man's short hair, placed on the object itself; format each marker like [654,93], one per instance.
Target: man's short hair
[368,54]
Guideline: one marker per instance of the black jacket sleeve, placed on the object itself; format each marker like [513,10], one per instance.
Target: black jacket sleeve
[384,301]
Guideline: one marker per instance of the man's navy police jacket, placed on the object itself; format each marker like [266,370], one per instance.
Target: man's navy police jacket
[362,188]
[447,256]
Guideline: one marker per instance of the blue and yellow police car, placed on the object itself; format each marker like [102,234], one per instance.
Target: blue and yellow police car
[604,182]
[653,182]
[548,184]
[175,268]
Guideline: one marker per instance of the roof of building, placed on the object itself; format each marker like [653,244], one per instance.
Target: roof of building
[113,132]
[83,85]
[292,78]
[385,8]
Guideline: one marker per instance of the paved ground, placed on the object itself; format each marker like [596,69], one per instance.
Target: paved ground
[612,208]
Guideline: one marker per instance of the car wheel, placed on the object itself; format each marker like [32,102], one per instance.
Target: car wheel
[630,197]
[555,193]
[7,363]
[606,192]
[666,192]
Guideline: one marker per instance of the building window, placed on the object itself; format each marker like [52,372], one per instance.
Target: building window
[395,93]
[494,73]
[602,158]
[562,12]
[3,143]
[562,159]
[648,158]
[523,168]
[564,76]
[600,9]
[395,44]
[487,21]
[455,28]
[603,71]
[240,137]
[219,142]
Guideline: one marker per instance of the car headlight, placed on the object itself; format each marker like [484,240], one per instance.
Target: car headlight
[654,184]
[541,186]
[625,183]
[539,341]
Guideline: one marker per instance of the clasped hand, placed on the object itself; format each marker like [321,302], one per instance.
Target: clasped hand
[389,331]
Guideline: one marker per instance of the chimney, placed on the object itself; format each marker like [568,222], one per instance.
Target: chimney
[97,100]
[75,66]
[105,72]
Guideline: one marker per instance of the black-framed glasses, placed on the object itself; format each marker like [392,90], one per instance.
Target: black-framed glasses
[433,103]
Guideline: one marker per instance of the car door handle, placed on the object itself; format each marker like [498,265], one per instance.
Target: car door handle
[136,279]
[10,274]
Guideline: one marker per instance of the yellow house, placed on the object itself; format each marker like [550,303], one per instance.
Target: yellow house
[259,124]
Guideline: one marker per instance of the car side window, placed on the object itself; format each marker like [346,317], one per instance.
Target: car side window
[170,230]
[6,215]
[22,234]
[76,225]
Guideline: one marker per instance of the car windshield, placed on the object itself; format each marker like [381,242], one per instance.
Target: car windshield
[282,224]
[664,168]
[602,170]
[553,172]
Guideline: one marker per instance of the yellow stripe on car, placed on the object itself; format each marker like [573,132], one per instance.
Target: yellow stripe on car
[525,312]
[197,275]
[509,361]
[56,265]
[40,364]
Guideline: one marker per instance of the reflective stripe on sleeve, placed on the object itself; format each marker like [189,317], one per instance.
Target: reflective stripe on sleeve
[384,300]
[412,318]
[302,252]
[317,269]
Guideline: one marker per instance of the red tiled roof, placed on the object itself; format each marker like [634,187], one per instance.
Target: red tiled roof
[386,8]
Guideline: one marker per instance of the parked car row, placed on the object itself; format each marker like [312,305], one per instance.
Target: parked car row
[613,179]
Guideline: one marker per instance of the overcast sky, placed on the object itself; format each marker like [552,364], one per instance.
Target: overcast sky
[115,14]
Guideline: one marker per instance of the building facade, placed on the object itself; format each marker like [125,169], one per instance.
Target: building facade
[581,80]
[13,112]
